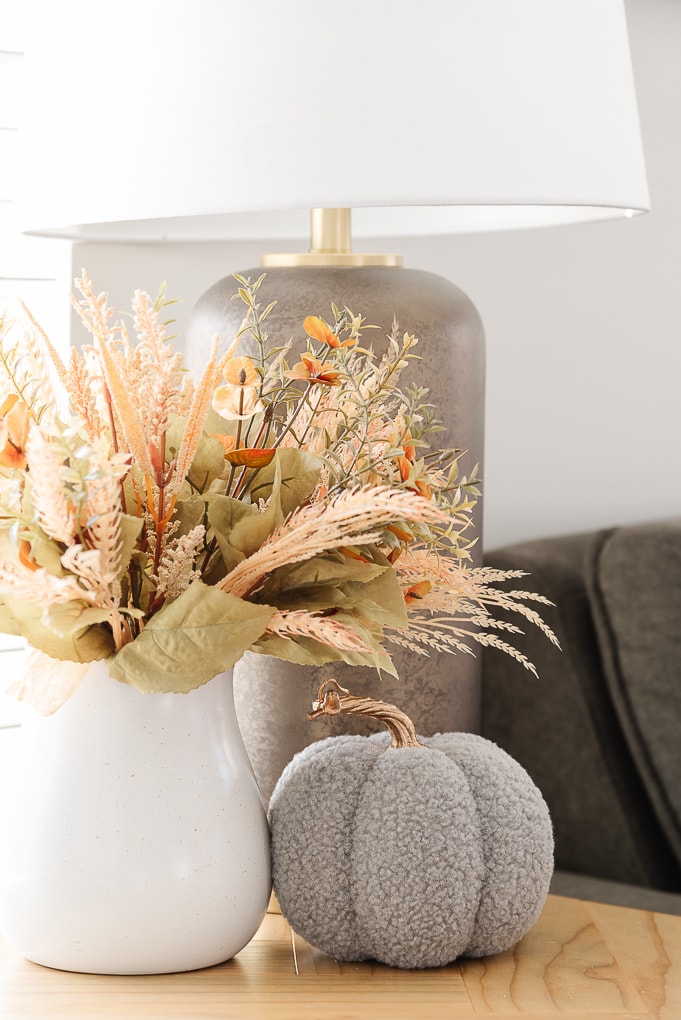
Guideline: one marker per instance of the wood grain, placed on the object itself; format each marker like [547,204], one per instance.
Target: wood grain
[580,961]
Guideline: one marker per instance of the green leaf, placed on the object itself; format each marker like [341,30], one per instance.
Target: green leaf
[313,598]
[219,425]
[188,513]
[47,554]
[249,533]
[241,528]
[45,551]
[381,597]
[92,642]
[68,618]
[308,652]
[224,514]
[8,622]
[130,530]
[298,473]
[329,569]
[191,640]
[372,589]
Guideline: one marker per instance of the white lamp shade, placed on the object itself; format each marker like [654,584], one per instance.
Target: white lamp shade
[201,119]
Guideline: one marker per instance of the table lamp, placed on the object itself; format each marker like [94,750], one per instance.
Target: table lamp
[213,120]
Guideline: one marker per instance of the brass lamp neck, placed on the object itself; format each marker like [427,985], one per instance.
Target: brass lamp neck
[330,245]
[330,232]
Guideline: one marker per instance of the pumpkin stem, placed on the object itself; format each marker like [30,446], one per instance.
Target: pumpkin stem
[336,700]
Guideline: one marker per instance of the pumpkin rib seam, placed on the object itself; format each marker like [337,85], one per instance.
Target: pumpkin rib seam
[362,936]
[478,818]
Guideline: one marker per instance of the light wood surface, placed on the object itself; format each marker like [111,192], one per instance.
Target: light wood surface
[582,961]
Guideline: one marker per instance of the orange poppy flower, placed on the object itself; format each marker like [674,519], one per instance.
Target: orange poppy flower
[423,488]
[352,553]
[408,446]
[320,330]
[14,425]
[238,399]
[244,456]
[415,592]
[400,533]
[406,464]
[228,443]
[255,457]
[241,372]
[415,484]
[236,402]
[311,370]
[25,557]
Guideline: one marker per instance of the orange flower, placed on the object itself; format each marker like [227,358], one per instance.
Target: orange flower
[419,485]
[400,533]
[14,425]
[25,556]
[408,446]
[415,592]
[312,371]
[237,403]
[246,457]
[406,464]
[320,330]
[228,443]
[238,399]
[241,372]
[352,553]
[255,457]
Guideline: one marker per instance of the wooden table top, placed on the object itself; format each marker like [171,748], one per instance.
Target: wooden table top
[581,960]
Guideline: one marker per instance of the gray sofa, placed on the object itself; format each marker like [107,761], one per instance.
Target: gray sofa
[600,729]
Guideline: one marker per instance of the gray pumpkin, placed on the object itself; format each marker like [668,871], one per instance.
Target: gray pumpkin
[412,854]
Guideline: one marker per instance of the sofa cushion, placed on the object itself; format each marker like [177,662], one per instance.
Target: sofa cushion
[634,585]
[563,728]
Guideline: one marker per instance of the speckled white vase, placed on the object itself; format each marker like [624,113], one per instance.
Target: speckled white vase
[134,837]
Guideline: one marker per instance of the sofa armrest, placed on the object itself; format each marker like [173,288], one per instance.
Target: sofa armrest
[563,728]
[634,582]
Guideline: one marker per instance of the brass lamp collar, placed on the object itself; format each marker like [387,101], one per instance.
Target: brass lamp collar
[330,245]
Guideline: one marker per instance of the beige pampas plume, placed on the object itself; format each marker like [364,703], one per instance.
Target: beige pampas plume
[325,629]
[196,420]
[56,513]
[51,369]
[357,517]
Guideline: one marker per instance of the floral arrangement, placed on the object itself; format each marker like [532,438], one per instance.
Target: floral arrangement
[290,505]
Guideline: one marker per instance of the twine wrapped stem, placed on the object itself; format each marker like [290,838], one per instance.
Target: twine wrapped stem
[333,699]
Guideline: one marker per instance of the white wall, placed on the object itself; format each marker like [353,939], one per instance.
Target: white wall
[583,326]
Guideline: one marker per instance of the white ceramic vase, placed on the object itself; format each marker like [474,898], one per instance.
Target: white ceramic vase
[134,836]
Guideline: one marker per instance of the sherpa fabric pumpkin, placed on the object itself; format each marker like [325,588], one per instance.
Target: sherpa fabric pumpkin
[411,855]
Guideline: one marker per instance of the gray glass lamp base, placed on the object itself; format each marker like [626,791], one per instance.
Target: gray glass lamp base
[439,692]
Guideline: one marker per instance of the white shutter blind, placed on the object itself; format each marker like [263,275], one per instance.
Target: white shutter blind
[35,271]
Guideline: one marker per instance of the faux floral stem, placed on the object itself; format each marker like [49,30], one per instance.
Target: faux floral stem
[161,521]
[236,442]
[312,417]
[290,423]
[13,379]
[333,699]
[114,439]
[365,423]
